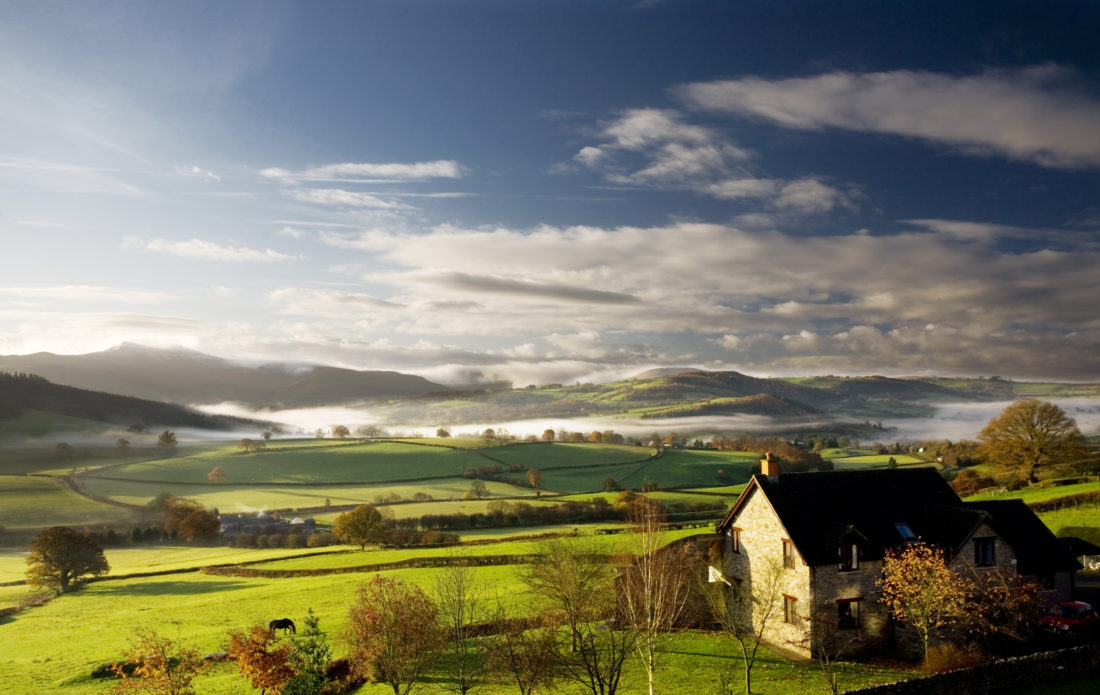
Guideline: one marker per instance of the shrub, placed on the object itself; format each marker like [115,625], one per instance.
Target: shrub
[948,657]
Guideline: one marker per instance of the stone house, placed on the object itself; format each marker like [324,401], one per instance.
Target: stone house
[822,538]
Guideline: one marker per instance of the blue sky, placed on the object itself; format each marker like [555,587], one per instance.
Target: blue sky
[557,191]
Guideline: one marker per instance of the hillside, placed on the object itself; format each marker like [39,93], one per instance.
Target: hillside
[24,394]
[661,393]
[186,376]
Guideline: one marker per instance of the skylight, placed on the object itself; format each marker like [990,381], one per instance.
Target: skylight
[906,532]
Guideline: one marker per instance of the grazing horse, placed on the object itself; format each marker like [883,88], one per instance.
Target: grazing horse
[283,624]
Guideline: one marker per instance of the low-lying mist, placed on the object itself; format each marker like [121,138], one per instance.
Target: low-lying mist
[952,421]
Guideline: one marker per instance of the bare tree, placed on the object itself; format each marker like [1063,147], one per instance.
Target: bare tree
[527,651]
[577,588]
[460,610]
[747,613]
[655,590]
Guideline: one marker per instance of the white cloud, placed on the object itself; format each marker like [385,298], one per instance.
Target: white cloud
[311,302]
[654,147]
[438,169]
[89,293]
[1036,114]
[199,249]
[338,196]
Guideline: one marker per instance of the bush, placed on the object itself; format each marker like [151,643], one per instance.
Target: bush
[948,657]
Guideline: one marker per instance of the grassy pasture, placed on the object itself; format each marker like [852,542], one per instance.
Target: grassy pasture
[232,499]
[129,560]
[337,462]
[1060,518]
[32,502]
[557,454]
[694,468]
[1039,494]
[610,544]
[52,648]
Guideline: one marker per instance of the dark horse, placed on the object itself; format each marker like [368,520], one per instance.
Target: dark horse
[283,624]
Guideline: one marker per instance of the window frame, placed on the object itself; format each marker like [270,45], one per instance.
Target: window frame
[985,551]
[847,561]
[735,537]
[790,609]
[788,554]
[854,619]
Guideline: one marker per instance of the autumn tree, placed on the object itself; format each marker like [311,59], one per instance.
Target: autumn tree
[251,445]
[261,658]
[920,590]
[392,632]
[154,664]
[216,475]
[60,557]
[443,433]
[577,590]
[1030,434]
[199,525]
[341,431]
[360,526]
[534,476]
[656,589]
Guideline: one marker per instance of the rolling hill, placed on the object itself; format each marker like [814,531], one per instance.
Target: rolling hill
[25,394]
[185,376]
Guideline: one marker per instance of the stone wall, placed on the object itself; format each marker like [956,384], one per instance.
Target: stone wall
[1001,676]
[748,570]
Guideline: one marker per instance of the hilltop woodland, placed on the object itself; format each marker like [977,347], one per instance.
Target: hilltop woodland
[493,562]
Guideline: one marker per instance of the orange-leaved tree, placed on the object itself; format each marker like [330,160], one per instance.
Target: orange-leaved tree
[920,590]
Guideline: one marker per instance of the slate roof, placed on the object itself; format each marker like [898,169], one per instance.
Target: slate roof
[820,510]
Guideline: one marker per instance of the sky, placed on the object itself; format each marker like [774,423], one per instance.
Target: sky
[552,192]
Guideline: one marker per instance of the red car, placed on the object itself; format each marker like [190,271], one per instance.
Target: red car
[1069,615]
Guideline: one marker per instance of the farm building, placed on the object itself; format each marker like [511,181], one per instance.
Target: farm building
[822,539]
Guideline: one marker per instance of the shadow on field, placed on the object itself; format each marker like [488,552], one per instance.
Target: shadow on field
[166,588]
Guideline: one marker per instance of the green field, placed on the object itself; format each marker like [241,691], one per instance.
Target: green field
[34,501]
[357,462]
[555,455]
[694,468]
[242,499]
[1039,494]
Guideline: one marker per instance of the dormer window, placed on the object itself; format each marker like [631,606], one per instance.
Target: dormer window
[848,557]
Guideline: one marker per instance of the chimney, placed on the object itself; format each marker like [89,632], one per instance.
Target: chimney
[769,466]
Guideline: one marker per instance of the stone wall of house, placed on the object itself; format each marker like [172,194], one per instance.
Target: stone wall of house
[829,585]
[748,570]
[1004,557]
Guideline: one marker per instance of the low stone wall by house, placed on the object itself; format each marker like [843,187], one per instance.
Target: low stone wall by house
[999,676]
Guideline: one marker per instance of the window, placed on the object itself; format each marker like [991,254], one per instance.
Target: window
[847,613]
[735,538]
[788,554]
[904,531]
[847,557]
[789,613]
[984,552]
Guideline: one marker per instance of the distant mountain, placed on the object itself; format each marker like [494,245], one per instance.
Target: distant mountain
[185,376]
[23,393]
